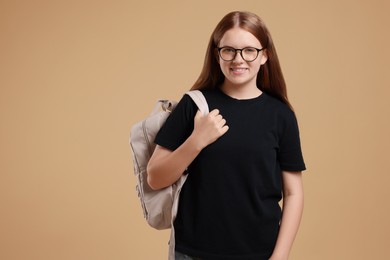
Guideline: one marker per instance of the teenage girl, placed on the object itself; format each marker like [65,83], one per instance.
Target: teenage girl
[242,158]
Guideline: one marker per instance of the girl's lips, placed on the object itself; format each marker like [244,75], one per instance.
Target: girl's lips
[238,70]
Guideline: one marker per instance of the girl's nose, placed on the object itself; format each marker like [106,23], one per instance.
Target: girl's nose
[238,56]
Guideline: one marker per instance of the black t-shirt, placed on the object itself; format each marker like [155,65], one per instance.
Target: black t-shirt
[228,207]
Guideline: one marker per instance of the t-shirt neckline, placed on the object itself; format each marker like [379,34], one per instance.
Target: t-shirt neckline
[248,100]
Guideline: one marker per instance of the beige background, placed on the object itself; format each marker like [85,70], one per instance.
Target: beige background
[75,75]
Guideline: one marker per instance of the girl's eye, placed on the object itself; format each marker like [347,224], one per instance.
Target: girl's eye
[228,50]
[249,50]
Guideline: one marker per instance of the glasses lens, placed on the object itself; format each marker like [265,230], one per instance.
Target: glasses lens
[249,54]
[227,53]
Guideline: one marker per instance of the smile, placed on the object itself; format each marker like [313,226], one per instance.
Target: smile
[238,70]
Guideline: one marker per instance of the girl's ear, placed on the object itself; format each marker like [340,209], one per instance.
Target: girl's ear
[264,57]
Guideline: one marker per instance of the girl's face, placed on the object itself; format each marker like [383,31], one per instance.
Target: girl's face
[239,72]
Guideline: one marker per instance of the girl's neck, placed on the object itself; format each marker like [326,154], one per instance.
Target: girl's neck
[241,91]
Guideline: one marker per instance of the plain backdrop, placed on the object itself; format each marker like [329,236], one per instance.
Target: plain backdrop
[75,75]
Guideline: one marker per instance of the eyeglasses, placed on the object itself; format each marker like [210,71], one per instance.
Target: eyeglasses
[248,53]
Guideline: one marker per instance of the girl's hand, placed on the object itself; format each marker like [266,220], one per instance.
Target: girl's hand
[207,129]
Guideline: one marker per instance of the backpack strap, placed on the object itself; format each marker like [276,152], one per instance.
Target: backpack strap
[199,100]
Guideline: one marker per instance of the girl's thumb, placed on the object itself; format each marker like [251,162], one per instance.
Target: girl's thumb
[198,115]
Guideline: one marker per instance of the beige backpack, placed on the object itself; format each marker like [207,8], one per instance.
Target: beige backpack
[159,206]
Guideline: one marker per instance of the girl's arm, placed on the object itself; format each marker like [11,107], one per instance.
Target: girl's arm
[166,166]
[292,213]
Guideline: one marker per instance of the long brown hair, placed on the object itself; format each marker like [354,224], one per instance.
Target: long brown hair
[269,78]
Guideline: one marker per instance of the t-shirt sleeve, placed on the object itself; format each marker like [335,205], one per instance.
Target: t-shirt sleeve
[290,153]
[179,125]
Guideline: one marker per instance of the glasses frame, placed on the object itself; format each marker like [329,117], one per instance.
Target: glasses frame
[240,50]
